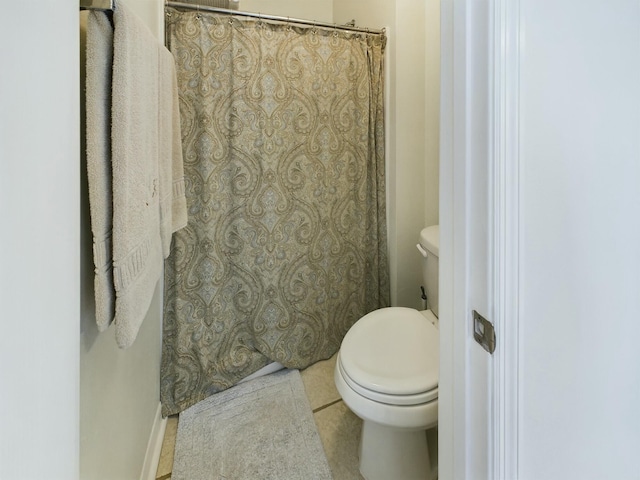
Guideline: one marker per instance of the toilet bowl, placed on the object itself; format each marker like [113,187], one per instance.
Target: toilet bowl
[387,374]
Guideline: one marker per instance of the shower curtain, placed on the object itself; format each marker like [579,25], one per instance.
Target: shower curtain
[285,247]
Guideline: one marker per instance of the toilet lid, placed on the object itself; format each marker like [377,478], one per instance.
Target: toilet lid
[393,351]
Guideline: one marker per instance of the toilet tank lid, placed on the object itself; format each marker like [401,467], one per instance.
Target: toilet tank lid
[430,239]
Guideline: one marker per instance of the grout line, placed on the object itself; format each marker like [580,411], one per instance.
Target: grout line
[327,405]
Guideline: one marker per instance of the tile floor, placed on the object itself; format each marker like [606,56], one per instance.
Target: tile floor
[338,427]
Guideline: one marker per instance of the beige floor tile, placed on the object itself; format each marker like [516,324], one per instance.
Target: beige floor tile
[339,431]
[318,383]
[165,464]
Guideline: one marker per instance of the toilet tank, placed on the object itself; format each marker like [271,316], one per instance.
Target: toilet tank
[429,247]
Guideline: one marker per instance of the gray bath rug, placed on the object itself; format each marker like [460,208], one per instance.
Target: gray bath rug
[262,429]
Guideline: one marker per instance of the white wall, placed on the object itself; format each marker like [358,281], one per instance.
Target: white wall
[39,241]
[119,394]
[432,111]
[580,277]
[409,156]
[320,10]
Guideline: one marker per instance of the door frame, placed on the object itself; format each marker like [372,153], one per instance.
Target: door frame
[452,398]
[506,51]
[464,442]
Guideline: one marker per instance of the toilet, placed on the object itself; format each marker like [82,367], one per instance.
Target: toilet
[387,374]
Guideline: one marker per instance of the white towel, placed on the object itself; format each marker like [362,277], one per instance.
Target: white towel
[99,54]
[137,245]
[173,204]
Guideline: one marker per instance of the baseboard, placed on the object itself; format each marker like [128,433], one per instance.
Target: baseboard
[154,446]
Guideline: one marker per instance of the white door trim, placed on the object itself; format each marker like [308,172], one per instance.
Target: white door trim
[505,163]
[462,106]
[452,401]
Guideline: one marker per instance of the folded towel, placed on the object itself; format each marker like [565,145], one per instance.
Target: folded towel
[99,54]
[173,204]
[137,245]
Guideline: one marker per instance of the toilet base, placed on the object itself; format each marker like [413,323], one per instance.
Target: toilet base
[392,453]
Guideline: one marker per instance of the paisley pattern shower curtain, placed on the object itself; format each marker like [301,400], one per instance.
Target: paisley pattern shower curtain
[283,140]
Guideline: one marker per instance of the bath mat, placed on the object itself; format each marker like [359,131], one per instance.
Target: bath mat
[262,429]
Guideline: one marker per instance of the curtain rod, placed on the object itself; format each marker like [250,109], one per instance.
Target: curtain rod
[206,8]
[104,5]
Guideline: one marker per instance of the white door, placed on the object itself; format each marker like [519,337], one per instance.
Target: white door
[558,235]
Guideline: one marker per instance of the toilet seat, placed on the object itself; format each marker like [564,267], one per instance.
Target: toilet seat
[413,399]
[391,356]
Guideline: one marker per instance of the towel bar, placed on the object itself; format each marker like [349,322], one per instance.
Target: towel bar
[105,5]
